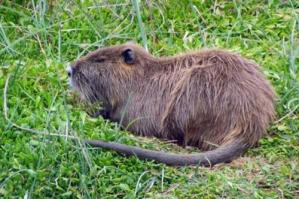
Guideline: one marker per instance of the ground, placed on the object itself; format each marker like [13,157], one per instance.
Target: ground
[38,38]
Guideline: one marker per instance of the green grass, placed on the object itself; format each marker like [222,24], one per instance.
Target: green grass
[38,38]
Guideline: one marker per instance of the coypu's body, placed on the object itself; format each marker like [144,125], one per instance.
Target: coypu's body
[208,99]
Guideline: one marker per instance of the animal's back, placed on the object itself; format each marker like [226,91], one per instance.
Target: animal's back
[219,97]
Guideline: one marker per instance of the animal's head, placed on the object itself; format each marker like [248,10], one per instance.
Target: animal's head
[109,74]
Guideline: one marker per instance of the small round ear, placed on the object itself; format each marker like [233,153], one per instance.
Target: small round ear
[129,56]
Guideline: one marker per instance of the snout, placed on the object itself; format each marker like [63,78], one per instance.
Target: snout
[70,70]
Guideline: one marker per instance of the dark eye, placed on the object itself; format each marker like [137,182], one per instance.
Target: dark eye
[99,59]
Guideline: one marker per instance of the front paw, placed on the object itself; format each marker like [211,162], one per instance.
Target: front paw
[104,113]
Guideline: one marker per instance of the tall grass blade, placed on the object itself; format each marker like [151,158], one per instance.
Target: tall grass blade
[140,23]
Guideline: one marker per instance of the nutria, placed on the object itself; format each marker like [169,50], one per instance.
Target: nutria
[212,99]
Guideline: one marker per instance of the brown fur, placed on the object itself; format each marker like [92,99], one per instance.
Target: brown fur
[204,98]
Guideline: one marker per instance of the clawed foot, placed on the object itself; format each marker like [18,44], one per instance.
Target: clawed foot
[104,113]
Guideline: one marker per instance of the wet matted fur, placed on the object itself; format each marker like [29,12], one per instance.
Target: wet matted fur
[212,99]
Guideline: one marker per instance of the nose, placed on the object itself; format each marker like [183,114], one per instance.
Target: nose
[70,70]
